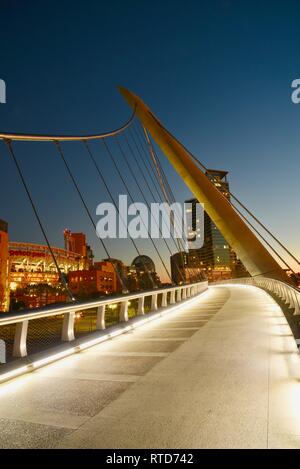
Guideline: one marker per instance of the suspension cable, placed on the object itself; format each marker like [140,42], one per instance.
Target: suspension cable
[168,194]
[160,176]
[143,196]
[259,222]
[154,170]
[151,172]
[143,175]
[202,166]
[132,200]
[263,238]
[264,227]
[152,179]
[60,151]
[113,201]
[35,211]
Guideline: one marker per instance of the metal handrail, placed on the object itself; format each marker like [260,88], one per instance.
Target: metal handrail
[288,293]
[68,310]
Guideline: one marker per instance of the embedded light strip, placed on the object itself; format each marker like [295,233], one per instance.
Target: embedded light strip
[90,343]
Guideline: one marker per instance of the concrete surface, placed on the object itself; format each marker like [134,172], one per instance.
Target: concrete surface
[220,373]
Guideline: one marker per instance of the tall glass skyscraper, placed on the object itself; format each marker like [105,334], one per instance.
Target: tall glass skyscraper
[215,257]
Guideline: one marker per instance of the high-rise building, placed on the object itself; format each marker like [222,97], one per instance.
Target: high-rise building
[4,267]
[76,242]
[185,268]
[216,257]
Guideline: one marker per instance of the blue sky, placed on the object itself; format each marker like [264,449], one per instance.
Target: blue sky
[217,73]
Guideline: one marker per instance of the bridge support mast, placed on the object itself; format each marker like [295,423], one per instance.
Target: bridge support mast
[255,257]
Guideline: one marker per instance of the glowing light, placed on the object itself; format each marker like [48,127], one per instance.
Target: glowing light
[16,373]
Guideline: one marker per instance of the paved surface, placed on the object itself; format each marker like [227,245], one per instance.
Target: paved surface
[222,372]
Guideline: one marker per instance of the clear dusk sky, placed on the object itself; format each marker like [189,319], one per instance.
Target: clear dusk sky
[217,73]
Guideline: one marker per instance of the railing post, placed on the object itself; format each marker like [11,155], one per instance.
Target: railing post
[141,309]
[183,295]
[178,295]
[188,292]
[172,297]
[286,295]
[290,298]
[68,327]
[164,301]
[124,311]
[154,302]
[279,292]
[20,348]
[100,323]
[297,308]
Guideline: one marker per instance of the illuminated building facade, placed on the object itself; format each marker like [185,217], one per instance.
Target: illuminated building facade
[121,269]
[34,280]
[76,242]
[4,267]
[99,279]
[33,264]
[185,268]
[37,295]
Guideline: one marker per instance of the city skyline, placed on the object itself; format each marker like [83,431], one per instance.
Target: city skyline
[149,227]
[231,115]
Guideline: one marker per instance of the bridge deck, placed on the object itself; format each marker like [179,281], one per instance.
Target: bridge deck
[222,372]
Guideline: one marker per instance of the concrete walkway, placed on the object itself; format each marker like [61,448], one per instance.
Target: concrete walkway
[221,373]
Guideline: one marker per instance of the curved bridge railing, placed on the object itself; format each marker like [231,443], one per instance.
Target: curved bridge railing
[167,297]
[283,291]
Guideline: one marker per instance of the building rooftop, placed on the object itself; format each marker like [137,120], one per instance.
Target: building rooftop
[3,226]
[219,172]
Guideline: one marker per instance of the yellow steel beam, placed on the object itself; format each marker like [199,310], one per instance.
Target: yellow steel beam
[255,257]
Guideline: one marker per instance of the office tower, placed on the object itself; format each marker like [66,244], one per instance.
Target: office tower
[215,257]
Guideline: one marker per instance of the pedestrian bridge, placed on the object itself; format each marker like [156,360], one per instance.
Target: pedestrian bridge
[222,370]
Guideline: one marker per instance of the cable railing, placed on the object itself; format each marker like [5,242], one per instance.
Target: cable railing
[157,300]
